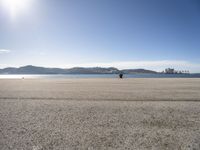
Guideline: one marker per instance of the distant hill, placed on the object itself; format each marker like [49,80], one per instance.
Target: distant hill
[133,71]
[32,70]
[93,70]
[76,70]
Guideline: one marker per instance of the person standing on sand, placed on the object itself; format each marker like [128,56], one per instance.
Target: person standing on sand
[121,75]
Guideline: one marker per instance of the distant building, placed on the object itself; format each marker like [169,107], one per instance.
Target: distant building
[173,71]
[170,71]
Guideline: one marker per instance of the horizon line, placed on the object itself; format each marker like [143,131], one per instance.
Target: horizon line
[157,65]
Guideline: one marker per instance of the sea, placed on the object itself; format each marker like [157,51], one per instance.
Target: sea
[67,76]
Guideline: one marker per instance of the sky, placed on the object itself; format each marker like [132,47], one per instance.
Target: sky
[150,34]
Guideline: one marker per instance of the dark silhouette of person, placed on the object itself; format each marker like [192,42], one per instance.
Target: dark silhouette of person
[121,75]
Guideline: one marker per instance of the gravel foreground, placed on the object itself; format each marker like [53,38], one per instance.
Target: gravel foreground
[100,114]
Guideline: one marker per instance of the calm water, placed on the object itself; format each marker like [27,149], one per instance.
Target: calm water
[101,76]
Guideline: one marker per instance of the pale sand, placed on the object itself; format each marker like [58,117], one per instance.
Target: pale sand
[100,114]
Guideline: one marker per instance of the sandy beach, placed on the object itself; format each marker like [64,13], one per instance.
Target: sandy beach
[100,114]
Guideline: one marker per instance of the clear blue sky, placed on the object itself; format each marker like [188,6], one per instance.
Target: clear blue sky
[151,34]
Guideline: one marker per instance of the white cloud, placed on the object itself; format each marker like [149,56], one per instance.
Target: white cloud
[153,65]
[2,51]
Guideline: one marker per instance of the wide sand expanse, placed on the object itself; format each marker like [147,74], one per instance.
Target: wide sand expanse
[98,114]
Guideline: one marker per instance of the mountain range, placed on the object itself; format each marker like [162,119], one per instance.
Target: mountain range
[76,70]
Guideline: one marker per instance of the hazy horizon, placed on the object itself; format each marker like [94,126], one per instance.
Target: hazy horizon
[126,34]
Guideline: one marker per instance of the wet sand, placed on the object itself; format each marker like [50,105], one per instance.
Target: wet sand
[100,114]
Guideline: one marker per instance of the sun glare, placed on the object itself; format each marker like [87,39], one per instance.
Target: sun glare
[16,7]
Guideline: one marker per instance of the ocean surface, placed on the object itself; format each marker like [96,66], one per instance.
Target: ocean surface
[50,76]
